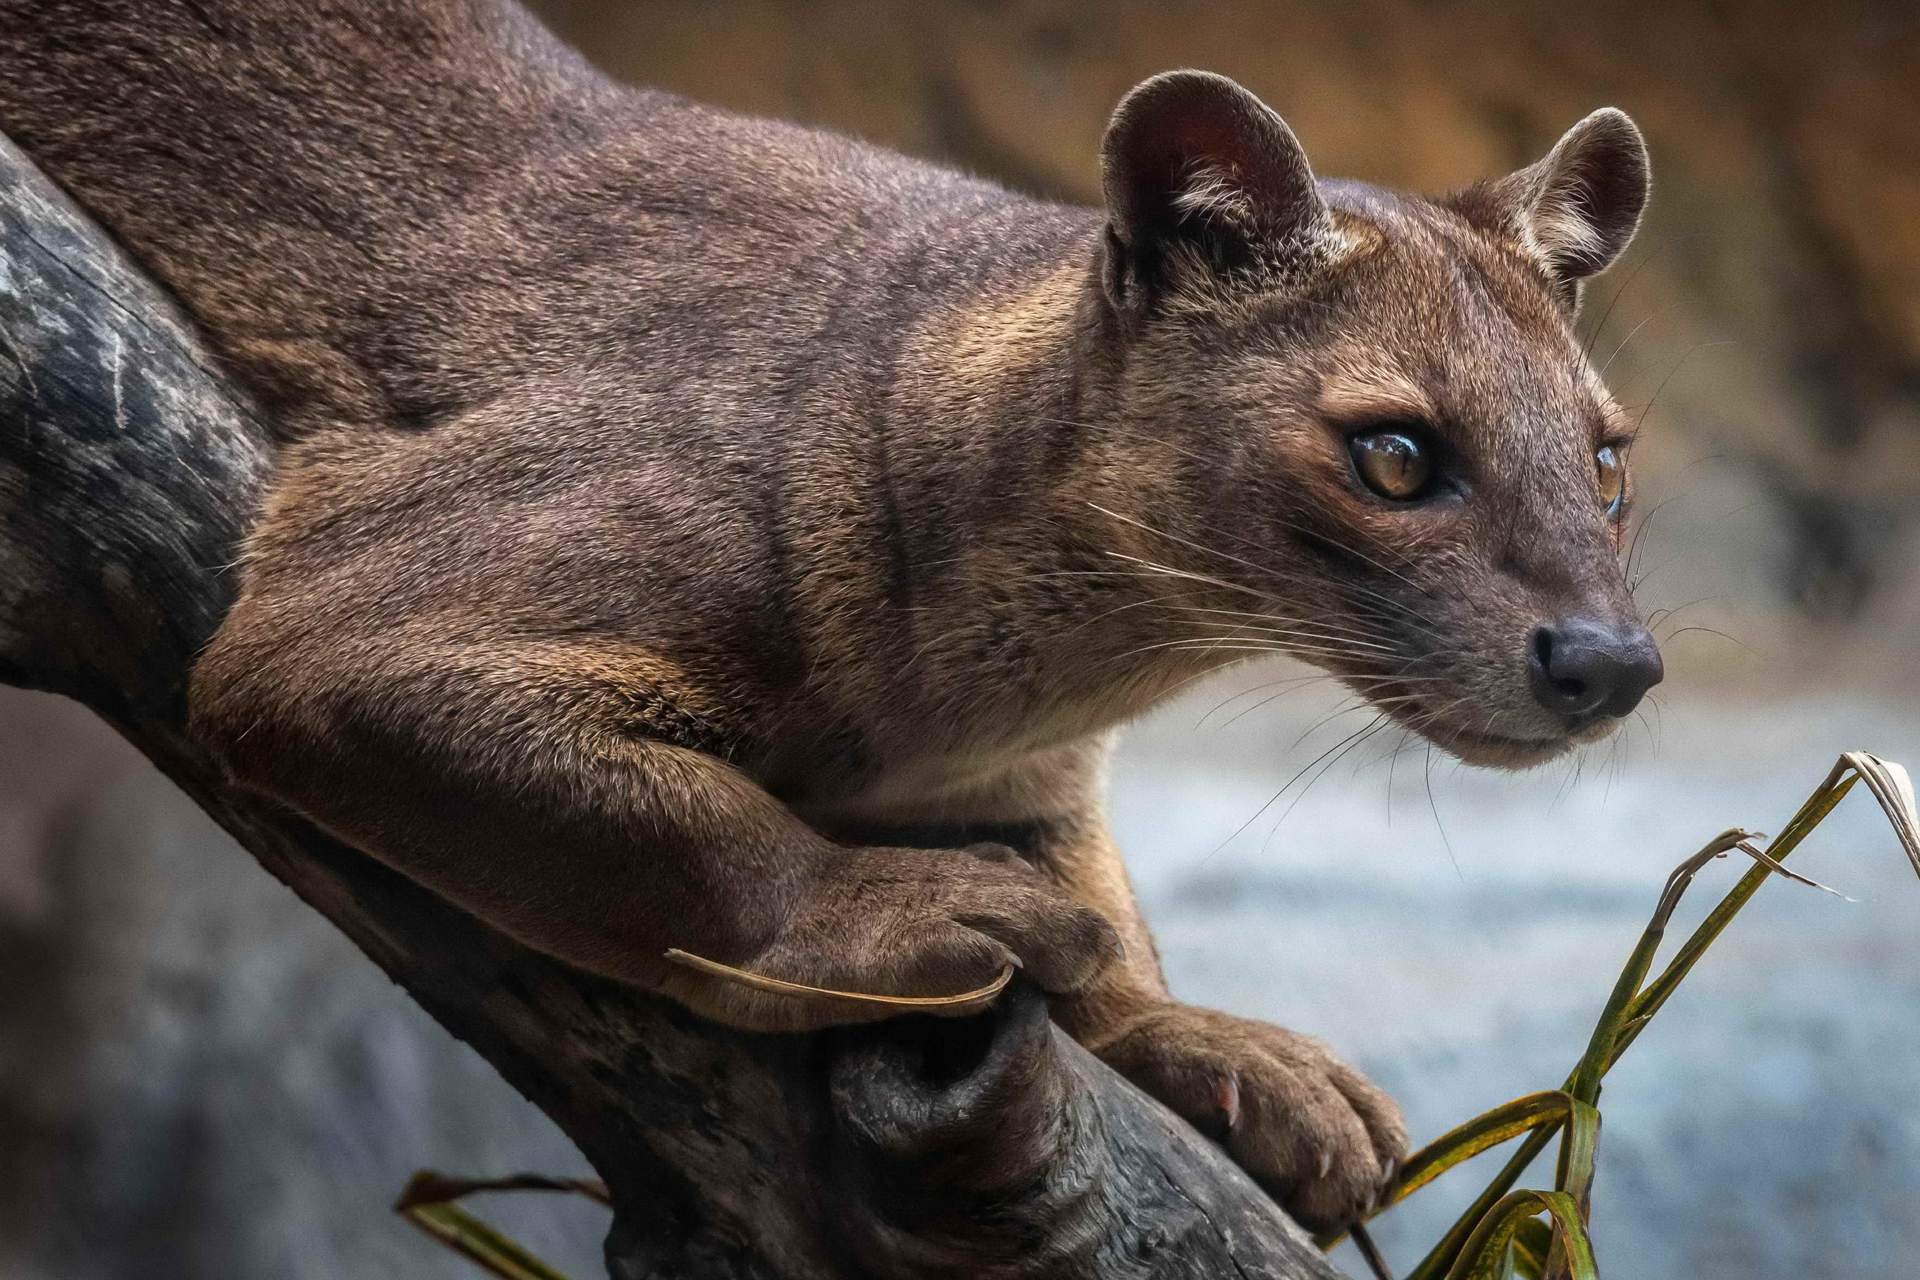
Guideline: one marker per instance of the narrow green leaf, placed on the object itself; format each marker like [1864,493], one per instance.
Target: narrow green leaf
[1483,1132]
[1541,1113]
[1443,1255]
[428,1203]
[465,1234]
[1488,1254]
[1578,1149]
[1370,1254]
[1532,1241]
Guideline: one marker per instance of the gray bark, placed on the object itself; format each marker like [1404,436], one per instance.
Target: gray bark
[989,1147]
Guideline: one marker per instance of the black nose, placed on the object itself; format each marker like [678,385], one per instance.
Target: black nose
[1585,669]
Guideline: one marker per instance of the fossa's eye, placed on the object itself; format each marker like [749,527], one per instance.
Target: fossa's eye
[1393,464]
[1611,468]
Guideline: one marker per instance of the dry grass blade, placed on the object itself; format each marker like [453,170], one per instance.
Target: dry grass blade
[1682,876]
[430,1186]
[1781,869]
[964,1002]
[428,1203]
[1893,788]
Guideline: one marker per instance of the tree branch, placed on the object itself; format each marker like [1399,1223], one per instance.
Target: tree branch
[982,1148]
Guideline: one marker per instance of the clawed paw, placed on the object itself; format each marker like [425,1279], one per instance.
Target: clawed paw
[1310,1129]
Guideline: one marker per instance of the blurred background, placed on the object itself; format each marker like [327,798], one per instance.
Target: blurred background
[198,1078]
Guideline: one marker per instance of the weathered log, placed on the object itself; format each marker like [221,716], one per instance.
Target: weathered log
[986,1147]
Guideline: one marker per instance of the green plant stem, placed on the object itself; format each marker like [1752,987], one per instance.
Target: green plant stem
[1629,1008]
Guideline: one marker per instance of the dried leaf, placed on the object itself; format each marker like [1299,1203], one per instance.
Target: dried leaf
[964,1002]
[429,1186]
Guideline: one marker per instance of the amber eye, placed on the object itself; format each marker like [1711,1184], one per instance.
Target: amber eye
[1394,464]
[1612,469]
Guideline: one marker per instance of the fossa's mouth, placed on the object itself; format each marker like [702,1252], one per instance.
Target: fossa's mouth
[1477,745]
[1498,750]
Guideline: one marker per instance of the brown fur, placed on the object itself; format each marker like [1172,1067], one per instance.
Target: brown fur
[688,526]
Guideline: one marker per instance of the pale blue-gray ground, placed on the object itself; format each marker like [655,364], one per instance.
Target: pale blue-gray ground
[1767,1124]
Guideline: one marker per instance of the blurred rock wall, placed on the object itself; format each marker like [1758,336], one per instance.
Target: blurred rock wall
[1770,310]
[199,1078]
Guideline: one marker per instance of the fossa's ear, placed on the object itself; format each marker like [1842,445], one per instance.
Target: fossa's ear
[1578,207]
[1204,181]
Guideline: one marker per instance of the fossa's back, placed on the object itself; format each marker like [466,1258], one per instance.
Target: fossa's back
[385,210]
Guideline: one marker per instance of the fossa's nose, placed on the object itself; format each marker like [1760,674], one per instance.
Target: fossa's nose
[1584,669]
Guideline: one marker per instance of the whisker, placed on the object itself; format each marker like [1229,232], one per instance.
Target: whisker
[1243,561]
[1275,798]
[1352,741]
[1333,627]
[1698,346]
[1712,631]
[1640,531]
[1434,807]
[1370,700]
[1151,568]
[1593,337]
[1295,683]
[1220,645]
[1286,685]
[1252,629]
[1659,616]
[1601,372]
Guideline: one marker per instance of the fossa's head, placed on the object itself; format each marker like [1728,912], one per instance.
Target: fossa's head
[1371,421]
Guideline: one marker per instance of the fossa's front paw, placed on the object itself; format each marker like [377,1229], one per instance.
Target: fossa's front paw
[1310,1129]
[878,933]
